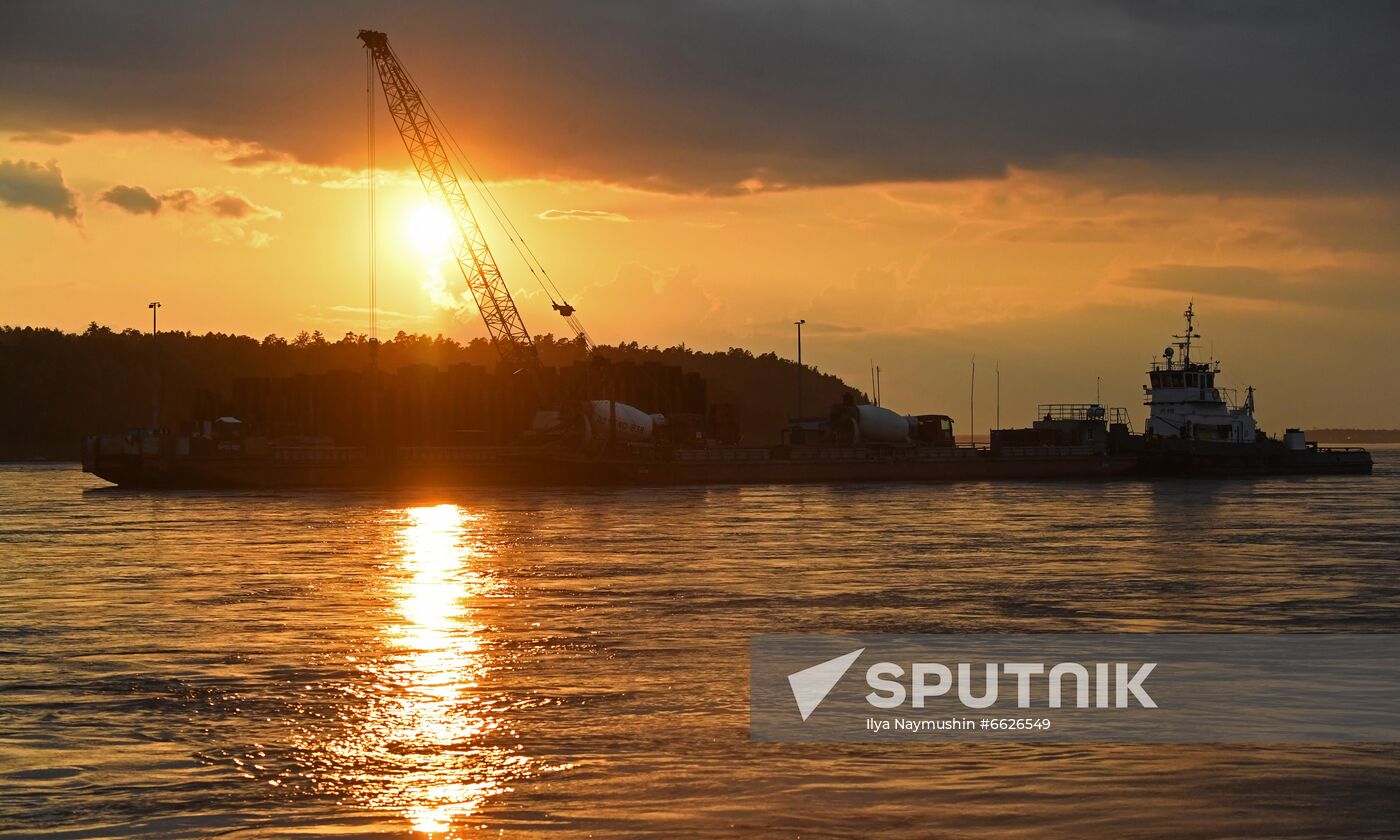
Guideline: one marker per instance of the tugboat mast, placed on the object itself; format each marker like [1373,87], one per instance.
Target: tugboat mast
[1184,341]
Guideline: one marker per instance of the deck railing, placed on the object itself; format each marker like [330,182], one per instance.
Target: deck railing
[1083,411]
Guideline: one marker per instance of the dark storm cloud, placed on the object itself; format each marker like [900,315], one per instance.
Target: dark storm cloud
[26,184]
[707,95]
[131,199]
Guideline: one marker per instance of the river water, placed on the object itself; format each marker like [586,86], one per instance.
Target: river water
[451,662]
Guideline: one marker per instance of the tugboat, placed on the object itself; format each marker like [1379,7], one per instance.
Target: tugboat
[1195,426]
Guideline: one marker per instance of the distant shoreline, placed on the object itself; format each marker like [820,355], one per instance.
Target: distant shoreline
[1354,435]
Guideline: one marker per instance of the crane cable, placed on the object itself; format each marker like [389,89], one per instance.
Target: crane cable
[483,189]
[497,212]
[494,206]
[373,238]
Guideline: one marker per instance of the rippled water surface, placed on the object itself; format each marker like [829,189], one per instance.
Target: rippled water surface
[442,663]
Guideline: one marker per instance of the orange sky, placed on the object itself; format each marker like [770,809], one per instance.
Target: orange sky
[1058,273]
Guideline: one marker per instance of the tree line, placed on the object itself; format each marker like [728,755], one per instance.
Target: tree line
[60,386]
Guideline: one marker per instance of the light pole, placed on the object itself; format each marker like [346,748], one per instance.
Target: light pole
[972,405]
[155,368]
[799,324]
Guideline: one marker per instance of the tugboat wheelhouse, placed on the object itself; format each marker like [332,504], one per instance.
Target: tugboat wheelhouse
[1186,402]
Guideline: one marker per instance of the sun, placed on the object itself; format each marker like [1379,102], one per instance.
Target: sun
[429,228]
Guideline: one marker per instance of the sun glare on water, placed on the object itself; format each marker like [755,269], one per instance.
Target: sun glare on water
[428,735]
[429,228]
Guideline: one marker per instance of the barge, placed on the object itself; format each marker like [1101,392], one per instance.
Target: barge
[1195,428]
[165,462]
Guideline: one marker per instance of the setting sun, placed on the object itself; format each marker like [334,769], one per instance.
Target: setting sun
[429,228]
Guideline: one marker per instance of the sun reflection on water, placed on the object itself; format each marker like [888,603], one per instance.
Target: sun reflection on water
[426,741]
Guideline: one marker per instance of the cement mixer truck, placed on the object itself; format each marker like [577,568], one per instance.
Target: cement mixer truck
[600,421]
[858,425]
[629,424]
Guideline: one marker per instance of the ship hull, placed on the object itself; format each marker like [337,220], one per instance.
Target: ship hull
[359,467]
[1220,459]
[448,466]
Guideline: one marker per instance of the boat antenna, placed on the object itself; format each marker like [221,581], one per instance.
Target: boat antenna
[1184,341]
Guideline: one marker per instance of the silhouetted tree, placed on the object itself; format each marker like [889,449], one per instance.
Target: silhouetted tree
[59,386]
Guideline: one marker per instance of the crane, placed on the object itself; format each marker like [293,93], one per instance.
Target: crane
[413,117]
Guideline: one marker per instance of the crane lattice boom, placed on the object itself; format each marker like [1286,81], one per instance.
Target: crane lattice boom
[430,159]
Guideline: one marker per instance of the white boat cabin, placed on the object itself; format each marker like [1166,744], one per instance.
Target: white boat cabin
[1187,402]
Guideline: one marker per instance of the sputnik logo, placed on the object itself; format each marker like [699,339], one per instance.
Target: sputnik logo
[811,685]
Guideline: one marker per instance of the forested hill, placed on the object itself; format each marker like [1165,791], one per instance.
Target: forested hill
[60,386]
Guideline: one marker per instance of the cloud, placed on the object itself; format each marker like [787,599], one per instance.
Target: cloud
[675,300]
[332,178]
[1330,287]
[1233,281]
[809,328]
[223,216]
[257,157]
[358,317]
[231,207]
[440,282]
[584,216]
[229,217]
[136,200]
[872,299]
[701,96]
[182,200]
[383,313]
[43,138]
[37,186]
[223,204]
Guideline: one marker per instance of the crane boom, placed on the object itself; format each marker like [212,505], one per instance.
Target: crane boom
[430,159]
